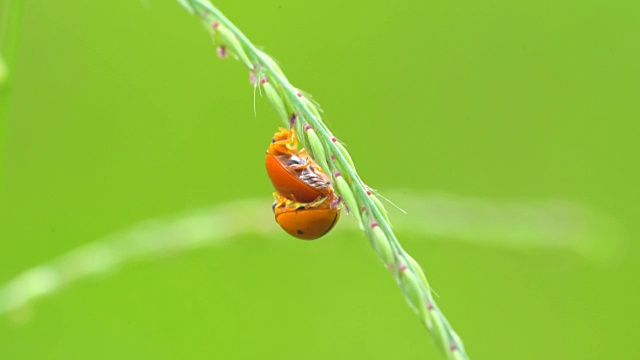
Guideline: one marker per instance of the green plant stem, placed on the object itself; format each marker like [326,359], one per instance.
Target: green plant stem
[11,22]
[177,234]
[259,62]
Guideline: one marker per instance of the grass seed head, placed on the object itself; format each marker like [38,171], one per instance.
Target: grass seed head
[274,98]
[272,63]
[222,52]
[412,288]
[380,207]
[317,150]
[418,269]
[298,110]
[231,42]
[345,153]
[312,107]
[187,5]
[347,196]
[383,248]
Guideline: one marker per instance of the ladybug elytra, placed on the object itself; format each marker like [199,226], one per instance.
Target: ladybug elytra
[306,206]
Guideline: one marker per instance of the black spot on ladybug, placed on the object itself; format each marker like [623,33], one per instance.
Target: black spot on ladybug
[299,232]
[273,140]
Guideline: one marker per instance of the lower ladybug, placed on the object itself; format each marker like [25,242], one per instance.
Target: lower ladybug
[306,221]
[293,174]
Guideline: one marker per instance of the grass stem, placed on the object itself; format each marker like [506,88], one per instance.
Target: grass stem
[298,111]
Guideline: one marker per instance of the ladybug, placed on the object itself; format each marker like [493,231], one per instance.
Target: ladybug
[306,221]
[293,174]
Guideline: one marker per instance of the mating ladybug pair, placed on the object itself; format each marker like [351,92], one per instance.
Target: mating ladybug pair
[305,205]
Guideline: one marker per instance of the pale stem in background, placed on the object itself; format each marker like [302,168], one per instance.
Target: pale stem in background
[516,225]
[10,23]
[4,71]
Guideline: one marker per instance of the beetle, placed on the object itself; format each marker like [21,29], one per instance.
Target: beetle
[306,221]
[293,174]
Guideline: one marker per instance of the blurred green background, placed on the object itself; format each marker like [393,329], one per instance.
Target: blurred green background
[121,111]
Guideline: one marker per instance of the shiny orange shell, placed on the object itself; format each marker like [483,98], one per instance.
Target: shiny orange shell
[297,179]
[292,173]
[307,221]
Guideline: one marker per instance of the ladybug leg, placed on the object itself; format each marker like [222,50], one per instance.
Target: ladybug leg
[280,201]
[304,161]
[303,154]
[287,138]
[282,147]
[298,163]
[314,166]
[300,166]
[315,203]
[283,142]
[286,143]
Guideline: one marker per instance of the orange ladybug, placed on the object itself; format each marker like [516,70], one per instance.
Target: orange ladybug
[306,221]
[293,174]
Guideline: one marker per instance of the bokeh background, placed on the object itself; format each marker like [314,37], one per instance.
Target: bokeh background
[121,111]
